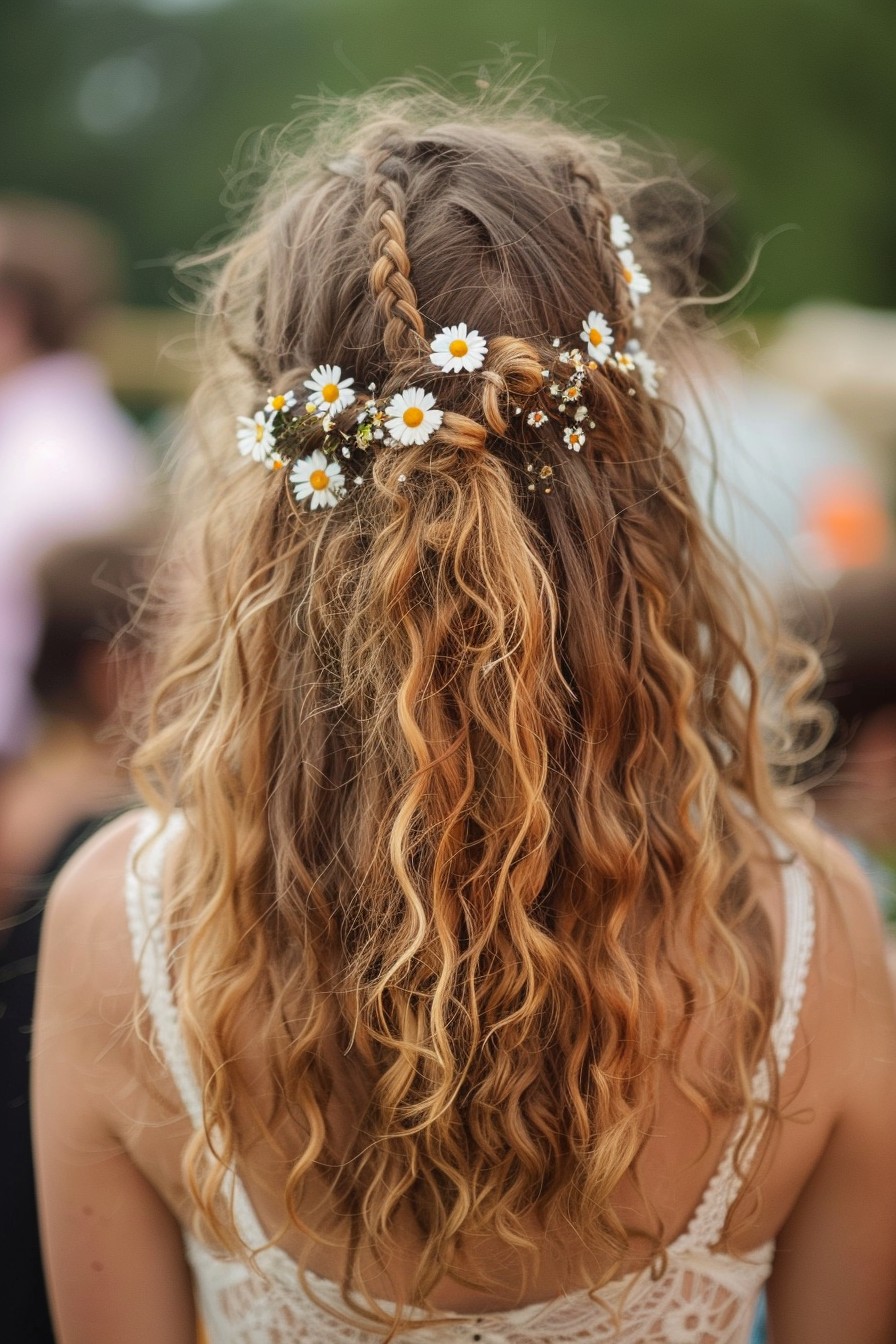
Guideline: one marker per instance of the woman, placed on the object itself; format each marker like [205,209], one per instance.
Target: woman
[486,989]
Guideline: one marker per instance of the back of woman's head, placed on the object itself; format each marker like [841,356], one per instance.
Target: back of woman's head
[465,754]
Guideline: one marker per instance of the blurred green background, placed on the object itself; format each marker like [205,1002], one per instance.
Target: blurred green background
[783,109]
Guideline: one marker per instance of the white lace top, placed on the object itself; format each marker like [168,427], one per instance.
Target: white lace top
[702,1297]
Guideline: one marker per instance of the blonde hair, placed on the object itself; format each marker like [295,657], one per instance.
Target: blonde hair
[465,765]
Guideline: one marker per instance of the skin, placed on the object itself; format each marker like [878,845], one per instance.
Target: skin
[110,1134]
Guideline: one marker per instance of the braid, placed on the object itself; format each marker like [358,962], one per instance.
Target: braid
[594,210]
[393,294]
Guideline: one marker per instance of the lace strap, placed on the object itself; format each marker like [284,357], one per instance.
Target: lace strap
[705,1228]
[799,905]
[143,899]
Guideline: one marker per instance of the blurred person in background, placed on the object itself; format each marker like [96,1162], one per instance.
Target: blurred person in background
[68,781]
[71,462]
[71,465]
[792,482]
[854,625]
[786,482]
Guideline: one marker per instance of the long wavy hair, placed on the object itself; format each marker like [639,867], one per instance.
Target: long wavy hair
[472,772]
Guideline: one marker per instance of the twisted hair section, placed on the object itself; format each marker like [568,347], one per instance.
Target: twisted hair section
[472,771]
[393,293]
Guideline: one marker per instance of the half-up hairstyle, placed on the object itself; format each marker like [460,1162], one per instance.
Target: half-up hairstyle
[471,770]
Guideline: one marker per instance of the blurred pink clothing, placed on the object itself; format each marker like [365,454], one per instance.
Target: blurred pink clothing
[71,465]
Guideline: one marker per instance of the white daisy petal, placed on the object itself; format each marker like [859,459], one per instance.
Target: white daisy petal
[574,439]
[598,336]
[317,479]
[412,416]
[330,393]
[649,371]
[255,438]
[638,283]
[279,401]
[620,232]
[457,350]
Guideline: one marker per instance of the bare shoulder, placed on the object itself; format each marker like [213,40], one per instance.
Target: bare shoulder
[113,1248]
[841,1094]
[849,1020]
[87,978]
[850,933]
[96,866]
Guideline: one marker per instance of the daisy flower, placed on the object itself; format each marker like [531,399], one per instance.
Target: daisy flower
[649,371]
[620,233]
[456,349]
[255,438]
[626,363]
[574,438]
[279,401]
[317,478]
[275,462]
[536,418]
[412,416]
[330,392]
[598,335]
[634,277]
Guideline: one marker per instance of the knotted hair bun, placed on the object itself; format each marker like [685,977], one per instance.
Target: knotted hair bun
[512,370]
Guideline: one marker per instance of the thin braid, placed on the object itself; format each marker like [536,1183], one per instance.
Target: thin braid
[393,294]
[595,212]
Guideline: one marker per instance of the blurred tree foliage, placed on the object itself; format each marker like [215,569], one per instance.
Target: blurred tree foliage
[784,109]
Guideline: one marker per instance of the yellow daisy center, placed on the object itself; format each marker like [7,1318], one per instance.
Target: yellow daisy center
[458,348]
[627,275]
[318,480]
[277,463]
[259,433]
[413,417]
[277,403]
[572,392]
[330,392]
[595,336]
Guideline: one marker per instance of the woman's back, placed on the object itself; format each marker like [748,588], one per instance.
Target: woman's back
[479,957]
[108,920]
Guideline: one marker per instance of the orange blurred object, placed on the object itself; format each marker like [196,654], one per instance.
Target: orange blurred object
[846,515]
